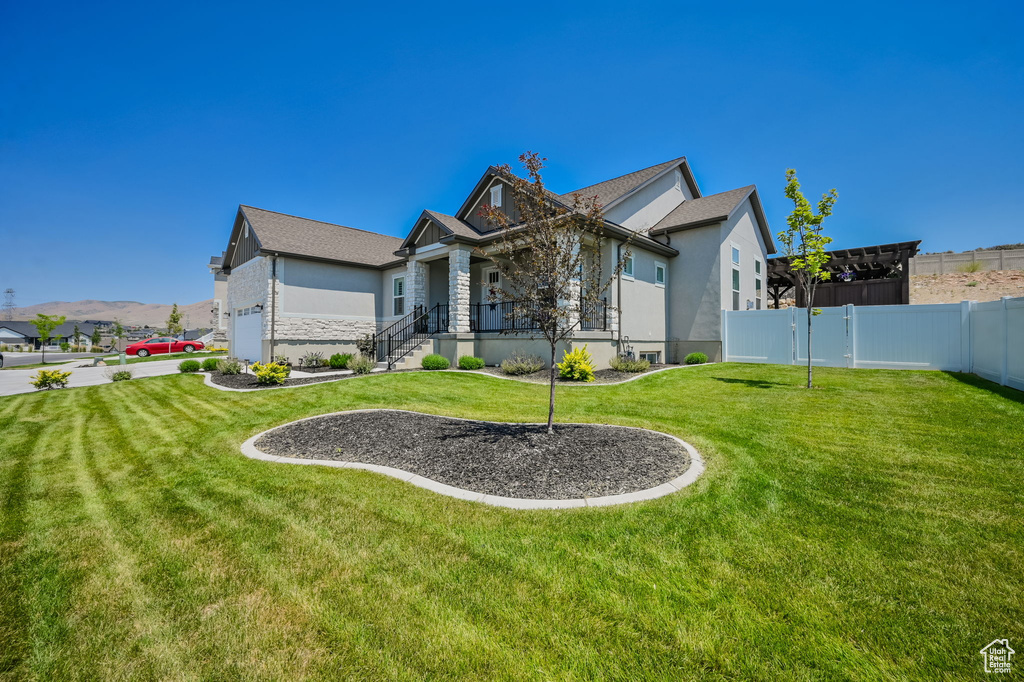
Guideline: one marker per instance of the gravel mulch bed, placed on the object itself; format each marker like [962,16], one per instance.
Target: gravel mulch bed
[509,460]
[249,381]
[601,376]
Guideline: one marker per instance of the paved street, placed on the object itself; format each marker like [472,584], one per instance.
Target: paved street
[17,380]
[14,359]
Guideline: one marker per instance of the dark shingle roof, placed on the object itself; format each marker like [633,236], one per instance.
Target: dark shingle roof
[453,224]
[287,234]
[610,190]
[66,330]
[706,209]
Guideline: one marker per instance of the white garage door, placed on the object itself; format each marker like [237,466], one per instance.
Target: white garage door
[248,334]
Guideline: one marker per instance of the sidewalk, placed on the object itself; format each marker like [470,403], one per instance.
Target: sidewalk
[14,381]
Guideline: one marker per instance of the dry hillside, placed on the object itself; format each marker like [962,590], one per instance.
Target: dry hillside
[954,287]
[129,312]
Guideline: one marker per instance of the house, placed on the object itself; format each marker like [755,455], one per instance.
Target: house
[23,334]
[295,284]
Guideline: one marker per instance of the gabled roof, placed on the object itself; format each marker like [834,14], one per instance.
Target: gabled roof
[448,223]
[288,235]
[485,181]
[715,208]
[612,191]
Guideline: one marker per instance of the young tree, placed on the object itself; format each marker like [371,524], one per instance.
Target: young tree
[803,244]
[549,258]
[118,333]
[45,324]
[77,335]
[173,325]
[96,337]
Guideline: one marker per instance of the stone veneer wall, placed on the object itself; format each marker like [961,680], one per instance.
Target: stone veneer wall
[248,285]
[458,290]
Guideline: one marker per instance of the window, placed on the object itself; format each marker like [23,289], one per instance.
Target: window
[735,289]
[757,284]
[659,274]
[627,267]
[398,295]
[650,356]
[736,255]
[496,195]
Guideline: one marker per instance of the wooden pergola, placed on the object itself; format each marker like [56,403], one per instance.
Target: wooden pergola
[869,275]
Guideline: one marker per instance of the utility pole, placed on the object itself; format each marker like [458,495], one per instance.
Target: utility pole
[9,307]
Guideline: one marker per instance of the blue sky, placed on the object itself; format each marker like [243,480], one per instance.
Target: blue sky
[129,134]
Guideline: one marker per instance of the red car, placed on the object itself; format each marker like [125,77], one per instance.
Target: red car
[162,344]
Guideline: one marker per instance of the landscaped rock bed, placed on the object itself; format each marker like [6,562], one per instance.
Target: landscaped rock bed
[601,376]
[508,460]
[249,380]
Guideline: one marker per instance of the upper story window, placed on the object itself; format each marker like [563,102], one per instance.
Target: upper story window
[736,255]
[757,284]
[398,296]
[627,267]
[496,195]
[659,274]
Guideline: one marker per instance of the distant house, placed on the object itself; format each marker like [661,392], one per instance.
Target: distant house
[24,334]
[295,284]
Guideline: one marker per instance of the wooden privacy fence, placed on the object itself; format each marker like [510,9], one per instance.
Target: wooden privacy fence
[986,339]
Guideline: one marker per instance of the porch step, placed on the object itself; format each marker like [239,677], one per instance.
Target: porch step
[414,358]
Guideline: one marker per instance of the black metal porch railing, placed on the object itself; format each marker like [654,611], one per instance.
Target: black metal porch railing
[509,316]
[405,335]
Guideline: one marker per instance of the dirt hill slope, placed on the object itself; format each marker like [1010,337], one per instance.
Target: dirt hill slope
[129,312]
[955,287]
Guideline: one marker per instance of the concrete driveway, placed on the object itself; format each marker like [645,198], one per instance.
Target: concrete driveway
[14,381]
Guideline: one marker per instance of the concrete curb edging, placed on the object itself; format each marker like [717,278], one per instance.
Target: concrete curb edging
[208,379]
[697,467]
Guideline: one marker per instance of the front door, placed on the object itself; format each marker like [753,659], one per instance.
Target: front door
[491,283]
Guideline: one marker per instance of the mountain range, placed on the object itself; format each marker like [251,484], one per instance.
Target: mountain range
[128,312]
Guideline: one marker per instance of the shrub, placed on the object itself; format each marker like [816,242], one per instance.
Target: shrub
[121,375]
[283,360]
[339,360]
[311,360]
[627,364]
[64,346]
[696,359]
[972,284]
[518,364]
[189,366]
[229,366]
[470,362]
[210,364]
[362,364]
[435,361]
[50,378]
[270,373]
[973,266]
[366,346]
[577,365]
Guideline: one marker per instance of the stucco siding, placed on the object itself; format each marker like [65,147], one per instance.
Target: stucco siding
[741,231]
[644,302]
[694,284]
[645,207]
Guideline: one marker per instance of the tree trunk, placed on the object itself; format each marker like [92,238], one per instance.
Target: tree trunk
[810,358]
[551,395]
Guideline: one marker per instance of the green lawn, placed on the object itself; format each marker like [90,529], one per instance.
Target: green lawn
[131,359]
[137,542]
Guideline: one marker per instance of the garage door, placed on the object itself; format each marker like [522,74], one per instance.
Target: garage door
[248,338]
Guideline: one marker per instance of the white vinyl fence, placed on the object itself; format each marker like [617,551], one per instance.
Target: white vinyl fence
[986,339]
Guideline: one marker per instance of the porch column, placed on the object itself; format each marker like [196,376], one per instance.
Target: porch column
[415,285]
[458,290]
